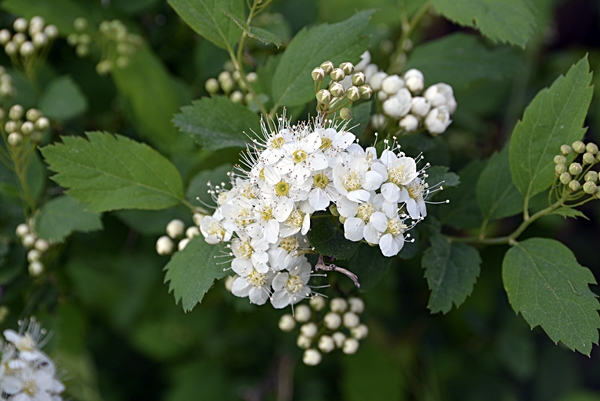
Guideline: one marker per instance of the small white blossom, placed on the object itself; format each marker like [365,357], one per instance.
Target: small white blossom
[376,80]
[392,84]
[438,120]
[398,105]
[350,346]
[414,80]
[311,357]
[409,123]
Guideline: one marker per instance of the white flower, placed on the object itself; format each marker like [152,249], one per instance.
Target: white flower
[441,95]
[376,80]
[413,196]
[250,253]
[400,171]
[355,178]
[392,241]
[265,225]
[281,190]
[438,120]
[291,286]
[213,231]
[28,384]
[420,106]
[302,157]
[365,59]
[333,142]
[392,84]
[369,71]
[409,123]
[255,285]
[367,223]
[298,221]
[398,105]
[323,191]
[414,80]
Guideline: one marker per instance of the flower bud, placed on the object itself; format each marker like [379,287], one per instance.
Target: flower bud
[16,112]
[82,50]
[317,302]
[236,97]
[35,269]
[560,168]
[376,80]
[4,36]
[14,139]
[311,357]
[327,66]
[591,176]
[41,245]
[318,74]
[26,49]
[28,240]
[589,158]
[323,97]
[578,147]
[347,67]
[192,232]
[287,323]
[11,48]
[337,74]
[164,245]
[85,39]
[409,123]
[236,76]
[590,188]
[197,218]
[414,80]
[229,280]
[34,255]
[438,120]
[22,230]
[183,243]
[27,128]
[350,320]
[80,24]
[326,344]
[565,178]
[211,86]
[309,330]
[382,96]
[559,159]
[336,89]
[359,332]
[591,148]
[122,62]
[365,91]
[345,114]
[353,93]
[357,305]
[39,40]
[252,77]
[303,341]
[42,123]
[338,305]
[51,32]
[358,79]
[302,313]
[72,39]
[575,169]
[338,338]
[392,84]
[378,121]
[565,150]
[104,67]
[332,320]
[350,346]
[398,105]
[574,185]
[420,106]
[175,228]
[11,126]
[20,25]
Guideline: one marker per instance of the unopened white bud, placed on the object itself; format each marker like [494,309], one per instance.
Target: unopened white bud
[287,323]
[376,80]
[183,243]
[36,268]
[326,344]
[51,32]
[382,96]
[365,59]
[392,84]
[28,240]
[338,305]
[4,36]
[332,320]
[11,48]
[336,89]
[438,120]
[80,24]
[22,230]
[229,280]
[302,313]
[11,126]
[191,232]
[370,71]
[414,80]
[236,97]
[42,123]
[15,112]
[19,39]
[27,128]
[33,114]
[359,332]
[420,106]
[175,228]
[252,77]
[197,218]
[350,346]
[41,245]
[351,320]
[39,40]
[14,139]
[20,25]
[318,74]
[26,49]
[409,123]
[398,105]
[338,338]
[357,305]
[164,245]
[34,255]
[309,329]
[303,341]
[317,302]
[378,121]
[311,357]
[439,95]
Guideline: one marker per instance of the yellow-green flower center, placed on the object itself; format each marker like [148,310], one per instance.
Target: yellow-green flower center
[266,213]
[397,175]
[257,279]
[320,180]
[296,218]
[299,156]
[415,190]
[289,244]
[277,142]
[282,188]
[325,143]
[294,284]
[395,227]
[365,210]
[351,181]
[245,250]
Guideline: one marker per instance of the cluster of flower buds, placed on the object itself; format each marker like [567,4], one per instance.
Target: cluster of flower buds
[21,131]
[26,372]
[37,248]
[406,100]
[230,83]
[29,40]
[346,86]
[176,230]
[578,175]
[326,329]
[6,88]
[293,172]
[80,39]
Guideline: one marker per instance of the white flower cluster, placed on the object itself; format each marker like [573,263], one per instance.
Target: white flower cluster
[37,248]
[294,172]
[26,373]
[24,131]
[406,99]
[339,327]
[30,37]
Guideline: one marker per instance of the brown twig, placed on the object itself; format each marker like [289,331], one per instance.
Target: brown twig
[331,267]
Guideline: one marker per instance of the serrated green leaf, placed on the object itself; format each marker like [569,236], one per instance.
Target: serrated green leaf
[63,215]
[327,240]
[463,210]
[191,272]
[63,99]
[510,21]
[569,212]
[361,115]
[369,265]
[292,83]
[496,193]
[460,59]
[197,190]
[211,121]
[451,270]
[549,288]
[113,172]
[207,18]
[439,175]
[554,117]
[254,32]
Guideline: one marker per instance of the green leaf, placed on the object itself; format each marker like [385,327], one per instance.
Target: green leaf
[292,83]
[328,240]
[510,21]
[211,120]
[113,172]
[369,265]
[496,193]
[207,18]
[254,32]
[460,59]
[549,288]
[191,272]
[451,270]
[554,117]
[63,99]
[569,212]
[197,190]
[439,176]
[63,215]
[61,13]
[361,115]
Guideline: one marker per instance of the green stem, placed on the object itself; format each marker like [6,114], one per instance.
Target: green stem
[397,62]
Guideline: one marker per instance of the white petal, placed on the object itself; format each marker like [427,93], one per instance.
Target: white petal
[372,180]
[379,221]
[243,267]
[240,288]
[258,296]
[371,234]
[280,300]
[318,199]
[283,208]
[360,195]
[413,209]
[353,229]
[390,192]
